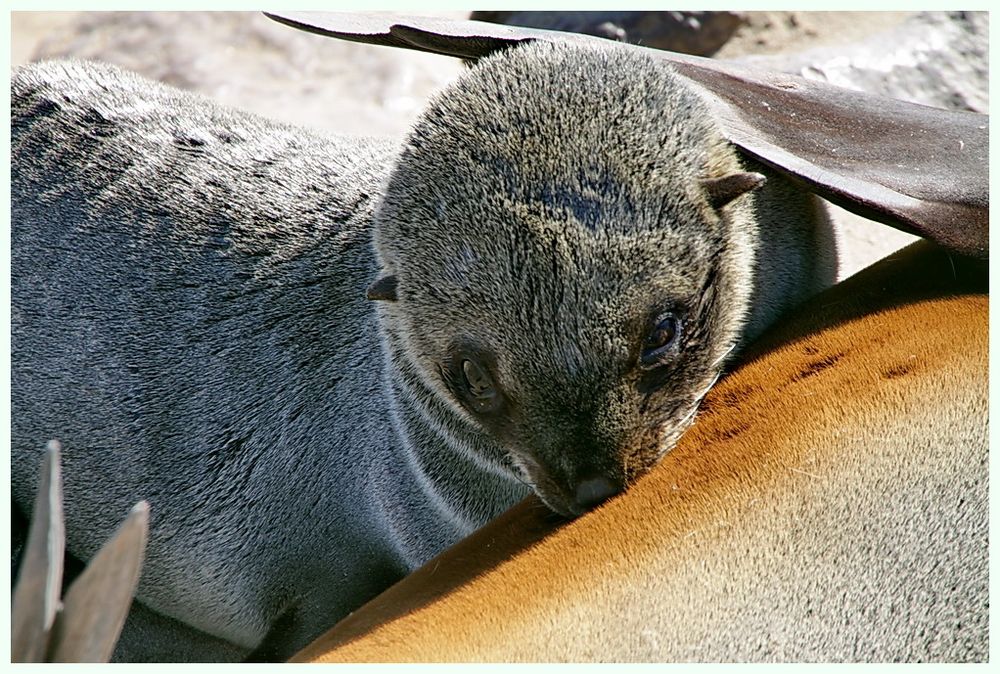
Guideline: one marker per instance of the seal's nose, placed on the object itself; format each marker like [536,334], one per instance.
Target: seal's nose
[593,491]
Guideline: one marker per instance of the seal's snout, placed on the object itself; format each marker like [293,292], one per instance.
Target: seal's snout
[593,491]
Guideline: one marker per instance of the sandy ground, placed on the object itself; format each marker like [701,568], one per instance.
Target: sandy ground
[247,61]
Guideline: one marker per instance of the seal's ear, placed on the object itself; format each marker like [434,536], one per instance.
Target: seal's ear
[920,169]
[721,191]
[384,289]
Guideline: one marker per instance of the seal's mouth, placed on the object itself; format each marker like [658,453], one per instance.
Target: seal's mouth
[559,507]
[572,490]
[588,495]
[528,471]
[563,499]
[572,496]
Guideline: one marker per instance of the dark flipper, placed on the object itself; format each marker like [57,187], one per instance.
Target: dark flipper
[919,169]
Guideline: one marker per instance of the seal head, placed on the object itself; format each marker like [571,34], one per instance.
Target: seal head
[566,257]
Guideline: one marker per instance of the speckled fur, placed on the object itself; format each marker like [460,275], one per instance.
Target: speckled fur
[188,317]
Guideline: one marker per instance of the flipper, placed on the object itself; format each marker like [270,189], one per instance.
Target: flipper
[85,625]
[920,169]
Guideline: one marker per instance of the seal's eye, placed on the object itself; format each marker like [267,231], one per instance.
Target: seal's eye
[478,382]
[661,339]
[469,372]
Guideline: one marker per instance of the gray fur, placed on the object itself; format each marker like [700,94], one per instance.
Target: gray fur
[189,318]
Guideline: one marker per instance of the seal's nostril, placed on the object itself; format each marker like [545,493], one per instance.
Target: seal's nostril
[594,491]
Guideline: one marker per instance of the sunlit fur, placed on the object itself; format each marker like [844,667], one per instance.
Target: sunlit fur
[189,318]
[831,504]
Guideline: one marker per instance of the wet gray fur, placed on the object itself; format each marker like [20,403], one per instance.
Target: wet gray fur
[189,319]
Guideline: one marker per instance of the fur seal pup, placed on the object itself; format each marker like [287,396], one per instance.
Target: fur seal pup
[561,254]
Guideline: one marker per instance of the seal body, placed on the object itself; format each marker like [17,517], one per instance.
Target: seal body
[189,319]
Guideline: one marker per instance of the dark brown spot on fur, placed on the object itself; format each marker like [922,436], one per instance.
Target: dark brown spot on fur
[899,370]
[817,366]
[724,434]
[723,399]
